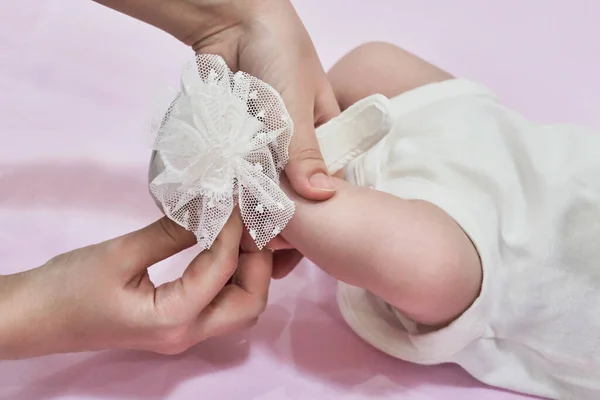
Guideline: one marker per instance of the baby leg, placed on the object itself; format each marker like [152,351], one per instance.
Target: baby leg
[380,68]
[440,289]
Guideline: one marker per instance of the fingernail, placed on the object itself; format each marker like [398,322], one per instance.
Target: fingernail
[321,181]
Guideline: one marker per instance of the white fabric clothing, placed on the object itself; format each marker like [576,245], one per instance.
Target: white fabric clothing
[528,196]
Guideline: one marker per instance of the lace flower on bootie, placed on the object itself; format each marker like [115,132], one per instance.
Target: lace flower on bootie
[223,142]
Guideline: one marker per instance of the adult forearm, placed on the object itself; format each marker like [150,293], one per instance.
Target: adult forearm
[26,327]
[190,21]
[9,332]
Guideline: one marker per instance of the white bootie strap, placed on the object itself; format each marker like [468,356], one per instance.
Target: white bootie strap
[354,131]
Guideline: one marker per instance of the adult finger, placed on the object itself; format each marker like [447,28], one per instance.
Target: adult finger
[145,247]
[247,244]
[305,169]
[207,274]
[238,305]
[253,274]
[284,262]
[326,104]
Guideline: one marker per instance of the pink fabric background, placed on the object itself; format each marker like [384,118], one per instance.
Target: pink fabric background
[76,83]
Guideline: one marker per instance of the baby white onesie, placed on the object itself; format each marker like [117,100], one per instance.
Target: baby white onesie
[528,196]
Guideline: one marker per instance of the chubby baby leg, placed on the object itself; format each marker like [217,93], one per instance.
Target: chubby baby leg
[409,253]
[382,68]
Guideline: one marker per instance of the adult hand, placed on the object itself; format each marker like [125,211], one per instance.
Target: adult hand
[266,39]
[271,43]
[101,297]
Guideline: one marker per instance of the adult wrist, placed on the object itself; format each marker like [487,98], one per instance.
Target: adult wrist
[9,332]
[25,329]
[196,20]
[190,21]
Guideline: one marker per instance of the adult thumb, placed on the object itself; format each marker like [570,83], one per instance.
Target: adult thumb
[306,169]
[152,244]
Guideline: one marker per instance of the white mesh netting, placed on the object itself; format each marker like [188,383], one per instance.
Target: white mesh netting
[223,142]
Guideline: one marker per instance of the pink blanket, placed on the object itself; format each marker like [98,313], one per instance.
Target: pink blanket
[76,82]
